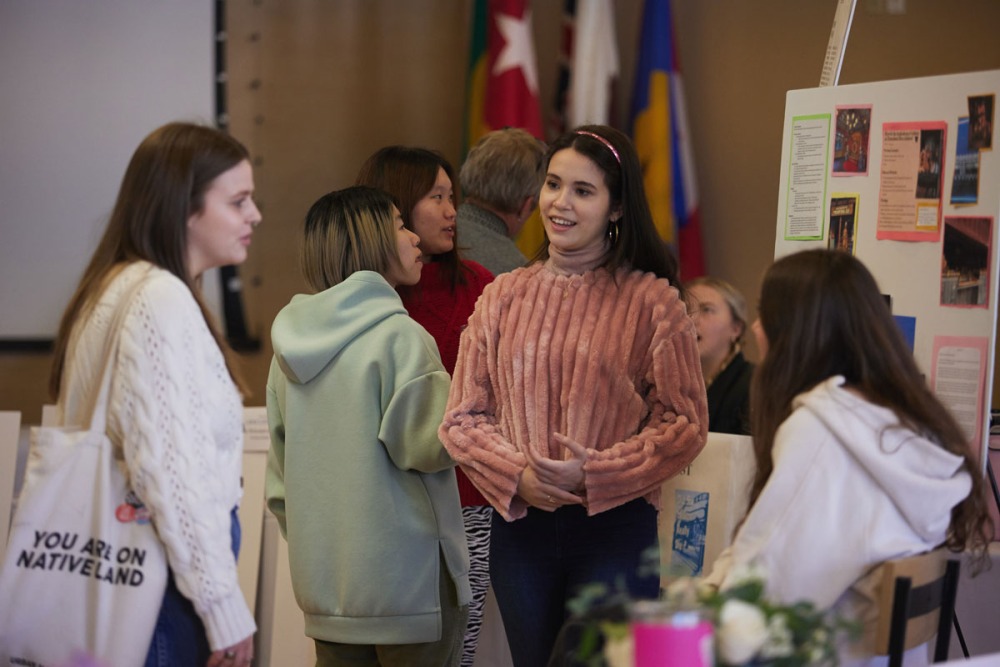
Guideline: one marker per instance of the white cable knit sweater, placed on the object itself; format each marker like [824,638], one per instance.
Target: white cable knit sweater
[177,418]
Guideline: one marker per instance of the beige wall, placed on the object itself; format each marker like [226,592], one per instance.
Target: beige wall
[316,86]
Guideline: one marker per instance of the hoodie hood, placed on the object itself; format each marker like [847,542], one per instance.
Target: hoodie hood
[313,328]
[918,475]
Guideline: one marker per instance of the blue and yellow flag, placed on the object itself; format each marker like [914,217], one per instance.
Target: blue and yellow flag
[660,133]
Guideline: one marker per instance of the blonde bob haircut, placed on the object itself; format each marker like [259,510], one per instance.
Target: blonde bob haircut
[346,231]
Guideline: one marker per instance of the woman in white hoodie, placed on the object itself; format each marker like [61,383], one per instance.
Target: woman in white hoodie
[857,461]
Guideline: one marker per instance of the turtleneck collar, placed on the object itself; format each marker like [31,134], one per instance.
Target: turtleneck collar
[577,261]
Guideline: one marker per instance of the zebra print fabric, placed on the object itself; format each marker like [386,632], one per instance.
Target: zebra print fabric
[477,532]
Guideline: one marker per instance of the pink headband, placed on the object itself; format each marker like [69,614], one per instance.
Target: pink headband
[603,141]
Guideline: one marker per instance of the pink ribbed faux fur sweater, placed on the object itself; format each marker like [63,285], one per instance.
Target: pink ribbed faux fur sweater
[611,362]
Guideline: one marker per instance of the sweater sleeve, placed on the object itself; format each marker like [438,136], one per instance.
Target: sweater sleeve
[274,484]
[410,422]
[470,430]
[161,388]
[676,426]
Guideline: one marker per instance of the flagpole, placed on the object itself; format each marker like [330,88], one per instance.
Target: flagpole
[838,42]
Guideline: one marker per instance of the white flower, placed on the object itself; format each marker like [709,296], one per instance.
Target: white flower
[779,638]
[742,631]
[745,573]
[618,652]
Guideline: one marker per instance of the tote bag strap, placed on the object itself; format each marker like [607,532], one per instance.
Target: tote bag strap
[99,411]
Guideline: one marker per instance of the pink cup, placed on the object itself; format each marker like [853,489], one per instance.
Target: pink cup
[665,637]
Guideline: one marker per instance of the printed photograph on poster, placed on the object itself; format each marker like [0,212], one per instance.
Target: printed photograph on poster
[929,175]
[981,122]
[850,148]
[843,222]
[909,203]
[965,181]
[807,170]
[965,261]
[958,378]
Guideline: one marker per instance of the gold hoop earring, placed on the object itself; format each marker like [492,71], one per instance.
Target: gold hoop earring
[613,232]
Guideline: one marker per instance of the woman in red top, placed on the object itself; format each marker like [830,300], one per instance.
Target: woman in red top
[421,181]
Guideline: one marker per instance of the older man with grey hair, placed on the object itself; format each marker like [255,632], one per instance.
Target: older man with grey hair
[500,181]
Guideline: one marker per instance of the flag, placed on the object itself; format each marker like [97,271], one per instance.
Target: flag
[587,74]
[503,72]
[557,121]
[503,82]
[475,80]
[595,63]
[660,133]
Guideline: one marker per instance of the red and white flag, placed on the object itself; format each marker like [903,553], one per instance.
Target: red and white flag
[589,65]
[595,64]
[503,83]
[511,95]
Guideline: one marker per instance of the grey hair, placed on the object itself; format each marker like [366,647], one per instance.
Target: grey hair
[504,168]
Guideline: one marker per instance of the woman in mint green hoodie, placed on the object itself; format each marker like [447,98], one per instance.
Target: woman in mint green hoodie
[357,478]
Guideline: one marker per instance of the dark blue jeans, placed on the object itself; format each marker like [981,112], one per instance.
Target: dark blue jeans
[539,562]
[179,639]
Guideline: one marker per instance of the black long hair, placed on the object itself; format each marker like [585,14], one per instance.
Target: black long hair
[636,243]
[408,174]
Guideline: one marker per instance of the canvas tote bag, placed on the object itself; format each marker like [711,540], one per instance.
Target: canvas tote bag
[84,570]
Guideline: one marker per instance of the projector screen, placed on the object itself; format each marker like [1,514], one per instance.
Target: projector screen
[81,84]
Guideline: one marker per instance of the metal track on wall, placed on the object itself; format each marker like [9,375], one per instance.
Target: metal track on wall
[234,316]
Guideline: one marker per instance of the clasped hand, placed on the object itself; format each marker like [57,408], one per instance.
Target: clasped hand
[548,484]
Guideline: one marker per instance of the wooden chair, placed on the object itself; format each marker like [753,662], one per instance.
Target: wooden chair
[916,601]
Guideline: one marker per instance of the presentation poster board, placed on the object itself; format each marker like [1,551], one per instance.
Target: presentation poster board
[903,175]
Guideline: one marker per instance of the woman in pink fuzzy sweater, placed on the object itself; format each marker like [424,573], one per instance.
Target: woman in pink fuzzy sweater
[577,392]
